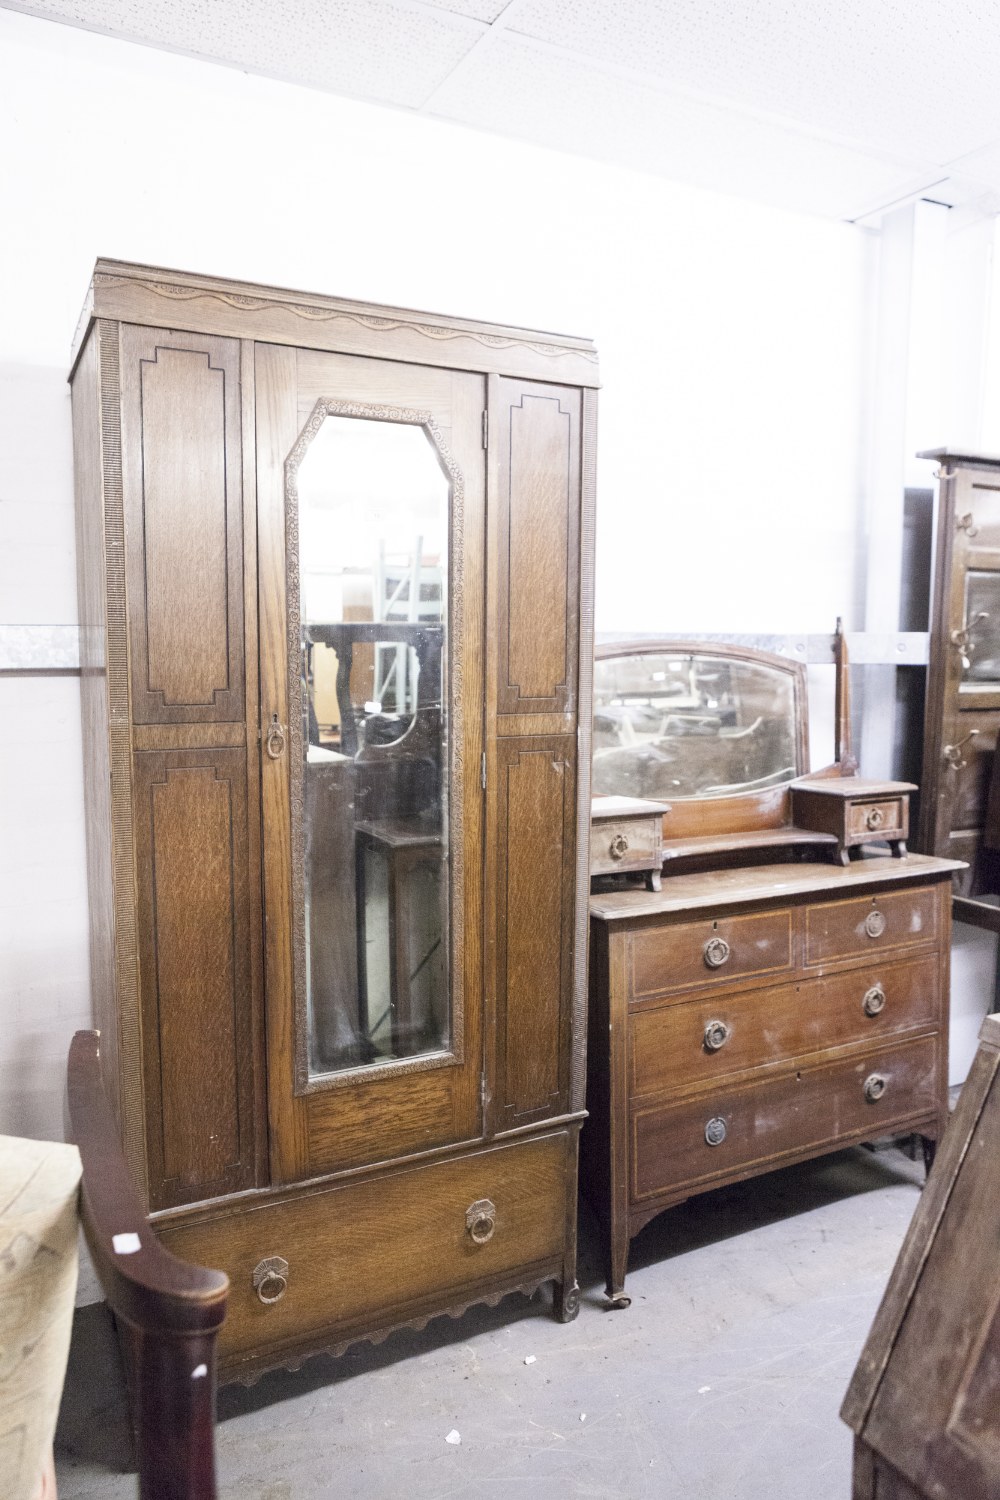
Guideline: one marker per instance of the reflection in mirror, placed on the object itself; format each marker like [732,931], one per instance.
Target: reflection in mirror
[373,512]
[981,652]
[668,726]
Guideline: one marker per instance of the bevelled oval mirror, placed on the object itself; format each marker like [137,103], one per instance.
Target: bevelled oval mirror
[693,722]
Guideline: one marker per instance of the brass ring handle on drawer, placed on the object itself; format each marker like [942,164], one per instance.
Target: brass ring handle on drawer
[874,1000]
[715,1131]
[274,742]
[875,1086]
[270,1279]
[481,1220]
[874,818]
[618,848]
[716,952]
[875,924]
[717,1034]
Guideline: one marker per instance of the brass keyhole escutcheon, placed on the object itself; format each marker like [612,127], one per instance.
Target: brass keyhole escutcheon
[717,1034]
[716,952]
[875,817]
[481,1220]
[270,1279]
[874,924]
[874,1000]
[874,1087]
[618,848]
[715,1131]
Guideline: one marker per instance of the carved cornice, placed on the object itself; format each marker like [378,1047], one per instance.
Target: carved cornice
[317,313]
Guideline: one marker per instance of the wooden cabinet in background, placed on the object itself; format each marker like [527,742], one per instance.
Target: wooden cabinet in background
[339,933]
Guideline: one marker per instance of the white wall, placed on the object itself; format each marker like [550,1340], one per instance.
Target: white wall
[732,338]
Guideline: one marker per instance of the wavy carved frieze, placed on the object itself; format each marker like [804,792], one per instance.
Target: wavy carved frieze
[313,314]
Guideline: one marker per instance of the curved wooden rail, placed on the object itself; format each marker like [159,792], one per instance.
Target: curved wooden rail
[168,1312]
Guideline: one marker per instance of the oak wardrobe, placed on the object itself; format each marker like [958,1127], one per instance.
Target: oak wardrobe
[335,577]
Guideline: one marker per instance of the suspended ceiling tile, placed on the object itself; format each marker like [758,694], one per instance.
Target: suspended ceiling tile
[912,77]
[481,10]
[981,167]
[372,49]
[535,94]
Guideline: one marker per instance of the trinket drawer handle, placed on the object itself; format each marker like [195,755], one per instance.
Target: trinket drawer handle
[717,1034]
[618,848]
[874,924]
[481,1220]
[717,951]
[715,1131]
[874,1000]
[874,818]
[875,1086]
[270,1279]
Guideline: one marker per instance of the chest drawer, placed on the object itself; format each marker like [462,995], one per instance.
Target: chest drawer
[723,1131]
[358,1251]
[676,1046]
[670,959]
[869,924]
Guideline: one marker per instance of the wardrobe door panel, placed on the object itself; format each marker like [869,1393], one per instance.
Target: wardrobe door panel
[194,911]
[535,439]
[182,482]
[370,524]
[534,916]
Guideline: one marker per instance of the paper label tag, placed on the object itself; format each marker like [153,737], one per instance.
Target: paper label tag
[125,1244]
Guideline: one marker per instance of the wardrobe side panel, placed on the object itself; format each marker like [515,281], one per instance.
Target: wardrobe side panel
[182,472]
[194,947]
[533,631]
[94,704]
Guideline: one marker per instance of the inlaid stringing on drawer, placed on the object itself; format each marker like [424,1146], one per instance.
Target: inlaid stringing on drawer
[676,1146]
[868,924]
[668,960]
[673,1046]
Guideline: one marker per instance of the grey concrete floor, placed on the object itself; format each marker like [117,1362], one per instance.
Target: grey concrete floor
[721,1382]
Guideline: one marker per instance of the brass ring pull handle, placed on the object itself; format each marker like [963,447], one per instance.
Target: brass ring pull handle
[717,1034]
[952,754]
[715,1131]
[270,1279]
[716,952]
[875,1086]
[874,924]
[481,1220]
[874,818]
[618,848]
[274,742]
[874,1000]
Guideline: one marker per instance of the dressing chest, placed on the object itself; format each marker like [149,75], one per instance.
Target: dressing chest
[769,1003]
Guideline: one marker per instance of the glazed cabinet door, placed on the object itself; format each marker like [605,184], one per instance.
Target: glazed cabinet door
[371,503]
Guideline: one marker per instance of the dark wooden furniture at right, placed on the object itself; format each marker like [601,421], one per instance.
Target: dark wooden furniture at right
[168,1312]
[923,1402]
[962,714]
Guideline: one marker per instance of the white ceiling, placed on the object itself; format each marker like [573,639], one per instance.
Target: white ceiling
[836,107]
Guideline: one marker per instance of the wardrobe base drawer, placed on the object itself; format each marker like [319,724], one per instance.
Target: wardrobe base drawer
[721,1132]
[362,1255]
